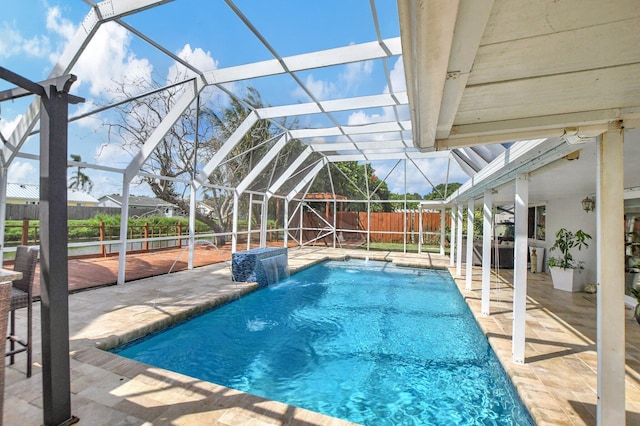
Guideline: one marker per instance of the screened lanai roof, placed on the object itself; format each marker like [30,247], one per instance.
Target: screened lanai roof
[453,82]
[347,98]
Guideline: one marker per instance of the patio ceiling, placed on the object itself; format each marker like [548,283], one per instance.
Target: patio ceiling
[501,70]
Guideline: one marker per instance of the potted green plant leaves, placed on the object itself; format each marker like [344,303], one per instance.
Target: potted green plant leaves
[563,267]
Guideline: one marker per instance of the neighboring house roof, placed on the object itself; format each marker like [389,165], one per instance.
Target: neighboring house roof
[27,191]
[138,201]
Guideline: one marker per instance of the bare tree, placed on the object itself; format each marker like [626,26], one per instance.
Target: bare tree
[174,157]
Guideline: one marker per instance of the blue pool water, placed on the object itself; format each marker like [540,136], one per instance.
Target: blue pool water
[363,341]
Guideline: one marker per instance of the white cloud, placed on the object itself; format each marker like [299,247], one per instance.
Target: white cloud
[355,73]
[108,60]
[22,172]
[197,57]
[59,25]
[6,127]
[320,89]
[398,81]
[13,43]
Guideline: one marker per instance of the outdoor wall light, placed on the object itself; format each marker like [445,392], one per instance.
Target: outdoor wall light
[588,204]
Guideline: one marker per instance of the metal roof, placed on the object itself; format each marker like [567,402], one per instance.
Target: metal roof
[30,192]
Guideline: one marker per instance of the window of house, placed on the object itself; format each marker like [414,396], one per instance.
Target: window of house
[537,220]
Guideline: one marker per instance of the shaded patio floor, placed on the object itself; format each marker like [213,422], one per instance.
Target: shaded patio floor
[557,383]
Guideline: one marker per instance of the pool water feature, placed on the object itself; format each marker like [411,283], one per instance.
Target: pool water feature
[363,341]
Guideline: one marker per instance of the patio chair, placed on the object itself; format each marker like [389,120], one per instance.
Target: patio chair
[21,297]
[5,291]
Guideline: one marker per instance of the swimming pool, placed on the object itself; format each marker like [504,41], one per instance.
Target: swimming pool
[363,341]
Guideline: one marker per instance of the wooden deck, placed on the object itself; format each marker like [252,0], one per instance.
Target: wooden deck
[94,272]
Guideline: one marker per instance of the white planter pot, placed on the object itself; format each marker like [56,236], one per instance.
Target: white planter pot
[567,279]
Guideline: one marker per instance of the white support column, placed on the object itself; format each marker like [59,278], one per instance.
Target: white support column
[3,210]
[443,213]
[459,243]
[487,231]
[263,222]
[249,221]
[520,268]
[234,225]
[610,266]
[286,223]
[420,229]
[335,213]
[192,224]
[452,248]
[124,219]
[301,222]
[469,276]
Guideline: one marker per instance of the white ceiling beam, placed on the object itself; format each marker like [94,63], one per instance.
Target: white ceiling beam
[556,121]
[287,173]
[472,20]
[348,146]
[582,131]
[264,162]
[191,91]
[387,156]
[427,29]
[346,104]
[307,178]
[226,148]
[306,61]
[381,127]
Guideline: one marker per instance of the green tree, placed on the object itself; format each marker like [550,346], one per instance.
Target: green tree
[79,179]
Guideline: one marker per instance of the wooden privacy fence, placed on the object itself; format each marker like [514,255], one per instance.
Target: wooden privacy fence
[385,227]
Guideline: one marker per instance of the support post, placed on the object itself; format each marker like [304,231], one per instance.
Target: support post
[54,281]
[193,192]
[124,219]
[420,229]
[487,231]
[264,209]
[520,268]
[249,221]
[286,224]
[610,265]
[234,225]
[470,214]
[443,213]
[452,249]
[459,252]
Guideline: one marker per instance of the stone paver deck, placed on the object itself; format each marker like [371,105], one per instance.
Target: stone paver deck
[557,383]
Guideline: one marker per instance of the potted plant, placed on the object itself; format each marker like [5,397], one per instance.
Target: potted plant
[563,267]
[636,293]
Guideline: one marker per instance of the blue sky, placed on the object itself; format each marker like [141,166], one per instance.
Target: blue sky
[33,33]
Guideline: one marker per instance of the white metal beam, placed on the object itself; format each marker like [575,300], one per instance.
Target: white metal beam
[387,156]
[264,162]
[453,245]
[190,94]
[226,147]
[379,127]
[345,104]
[610,272]
[287,173]
[459,242]
[520,268]
[306,61]
[487,232]
[469,262]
